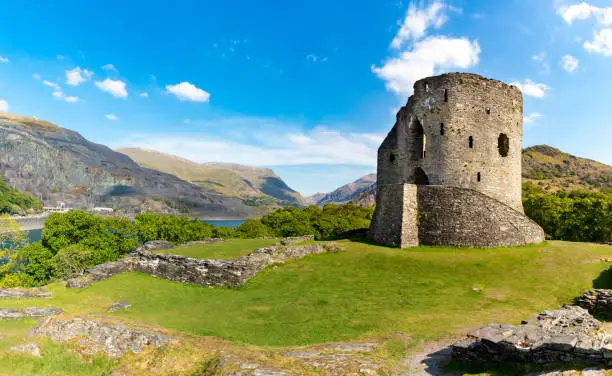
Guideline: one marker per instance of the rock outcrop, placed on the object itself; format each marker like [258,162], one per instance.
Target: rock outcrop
[597,301]
[27,313]
[24,293]
[210,273]
[27,348]
[566,335]
[93,336]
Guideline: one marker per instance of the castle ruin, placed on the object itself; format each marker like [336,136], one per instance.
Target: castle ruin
[449,172]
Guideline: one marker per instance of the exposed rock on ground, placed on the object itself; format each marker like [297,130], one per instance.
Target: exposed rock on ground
[93,336]
[28,348]
[29,312]
[119,306]
[597,301]
[198,271]
[24,293]
[569,334]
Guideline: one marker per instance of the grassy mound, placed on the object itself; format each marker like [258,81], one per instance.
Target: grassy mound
[227,250]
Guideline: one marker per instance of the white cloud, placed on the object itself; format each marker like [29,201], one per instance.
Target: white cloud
[116,88]
[418,20]
[427,57]
[532,118]
[584,11]
[263,142]
[109,68]
[60,57]
[569,63]
[601,43]
[542,58]
[112,117]
[144,95]
[602,36]
[36,76]
[4,107]
[532,89]
[4,59]
[60,95]
[77,76]
[314,58]
[52,84]
[188,92]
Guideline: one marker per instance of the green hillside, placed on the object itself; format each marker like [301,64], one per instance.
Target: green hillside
[555,169]
[258,187]
[14,202]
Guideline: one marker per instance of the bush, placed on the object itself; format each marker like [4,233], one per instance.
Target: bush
[16,280]
[253,228]
[224,232]
[36,261]
[170,228]
[73,260]
[574,216]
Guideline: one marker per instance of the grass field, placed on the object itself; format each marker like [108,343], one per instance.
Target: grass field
[365,291]
[227,250]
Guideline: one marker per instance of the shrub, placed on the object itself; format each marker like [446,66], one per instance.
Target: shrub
[16,280]
[73,261]
[253,228]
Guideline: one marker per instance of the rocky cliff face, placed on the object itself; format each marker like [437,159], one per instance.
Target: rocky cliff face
[345,193]
[57,164]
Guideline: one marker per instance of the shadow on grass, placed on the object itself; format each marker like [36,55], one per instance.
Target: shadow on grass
[603,280]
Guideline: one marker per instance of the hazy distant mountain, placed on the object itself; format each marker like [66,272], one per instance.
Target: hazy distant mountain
[548,168]
[257,187]
[345,193]
[57,164]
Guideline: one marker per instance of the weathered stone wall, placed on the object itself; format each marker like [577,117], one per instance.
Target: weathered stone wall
[473,106]
[198,271]
[395,220]
[466,218]
[598,301]
[442,215]
[568,335]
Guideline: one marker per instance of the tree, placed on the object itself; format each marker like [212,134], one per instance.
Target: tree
[12,237]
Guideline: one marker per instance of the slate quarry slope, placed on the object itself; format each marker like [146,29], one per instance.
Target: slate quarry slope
[57,164]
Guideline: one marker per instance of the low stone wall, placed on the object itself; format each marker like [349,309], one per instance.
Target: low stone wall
[198,271]
[566,335]
[597,301]
[27,313]
[24,293]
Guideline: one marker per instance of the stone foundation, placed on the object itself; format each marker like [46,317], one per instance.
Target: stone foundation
[24,293]
[210,273]
[27,313]
[448,216]
[567,335]
[597,301]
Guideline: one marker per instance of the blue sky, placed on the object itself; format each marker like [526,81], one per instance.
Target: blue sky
[308,88]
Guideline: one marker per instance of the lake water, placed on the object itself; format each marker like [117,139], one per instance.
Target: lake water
[224,222]
[35,235]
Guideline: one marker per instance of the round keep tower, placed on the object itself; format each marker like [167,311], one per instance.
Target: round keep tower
[460,130]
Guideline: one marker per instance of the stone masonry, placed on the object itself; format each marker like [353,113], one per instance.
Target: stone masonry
[567,335]
[454,151]
[198,271]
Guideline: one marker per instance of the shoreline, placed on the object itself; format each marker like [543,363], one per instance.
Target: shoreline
[31,223]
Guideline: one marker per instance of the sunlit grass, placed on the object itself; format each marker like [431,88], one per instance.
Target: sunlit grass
[365,291]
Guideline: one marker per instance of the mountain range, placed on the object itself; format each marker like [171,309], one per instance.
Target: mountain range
[56,164]
[257,187]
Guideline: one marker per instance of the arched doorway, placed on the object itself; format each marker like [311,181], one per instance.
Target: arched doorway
[420,177]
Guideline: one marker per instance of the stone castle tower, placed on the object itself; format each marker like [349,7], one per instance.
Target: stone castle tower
[449,172]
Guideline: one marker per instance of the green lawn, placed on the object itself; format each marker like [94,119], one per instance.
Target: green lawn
[227,250]
[365,291]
